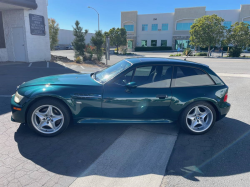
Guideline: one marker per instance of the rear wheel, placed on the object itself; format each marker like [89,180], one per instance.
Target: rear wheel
[48,117]
[198,118]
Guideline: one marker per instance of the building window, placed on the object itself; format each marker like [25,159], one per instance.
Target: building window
[129,27]
[144,27]
[182,44]
[183,26]
[144,43]
[164,27]
[164,43]
[2,39]
[154,27]
[247,22]
[227,24]
[153,43]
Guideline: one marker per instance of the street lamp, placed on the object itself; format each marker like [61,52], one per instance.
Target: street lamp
[98,15]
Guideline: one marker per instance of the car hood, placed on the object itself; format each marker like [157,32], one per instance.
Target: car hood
[65,79]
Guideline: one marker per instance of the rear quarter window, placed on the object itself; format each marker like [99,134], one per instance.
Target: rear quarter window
[187,77]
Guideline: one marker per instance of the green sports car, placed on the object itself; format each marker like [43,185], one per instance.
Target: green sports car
[136,90]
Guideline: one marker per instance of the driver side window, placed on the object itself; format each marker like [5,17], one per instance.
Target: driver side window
[148,77]
[125,79]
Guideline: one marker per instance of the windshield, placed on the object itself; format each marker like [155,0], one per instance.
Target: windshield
[111,72]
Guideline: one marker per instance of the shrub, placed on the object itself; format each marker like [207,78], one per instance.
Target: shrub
[187,52]
[97,41]
[201,54]
[79,60]
[152,48]
[235,52]
[89,50]
[176,55]
[99,54]
[123,50]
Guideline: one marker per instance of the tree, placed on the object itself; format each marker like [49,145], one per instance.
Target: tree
[79,41]
[97,40]
[53,33]
[118,37]
[207,31]
[239,35]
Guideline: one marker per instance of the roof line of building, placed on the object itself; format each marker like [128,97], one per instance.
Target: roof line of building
[22,3]
[192,7]
[130,11]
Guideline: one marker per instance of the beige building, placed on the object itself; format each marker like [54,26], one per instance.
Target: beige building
[172,29]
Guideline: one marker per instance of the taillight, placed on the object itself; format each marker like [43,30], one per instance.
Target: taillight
[225,97]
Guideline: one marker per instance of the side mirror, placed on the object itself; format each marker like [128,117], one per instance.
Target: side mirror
[131,85]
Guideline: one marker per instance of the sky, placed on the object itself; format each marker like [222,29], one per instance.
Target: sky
[66,12]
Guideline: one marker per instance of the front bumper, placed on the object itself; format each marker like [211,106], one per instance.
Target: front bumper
[17,116]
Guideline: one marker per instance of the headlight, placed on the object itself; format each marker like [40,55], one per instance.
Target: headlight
[18,98]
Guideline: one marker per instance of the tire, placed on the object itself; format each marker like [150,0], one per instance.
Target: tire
[48,117]
[195,121]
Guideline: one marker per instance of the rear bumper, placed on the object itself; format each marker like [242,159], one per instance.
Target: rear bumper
[224,109]
[17,116]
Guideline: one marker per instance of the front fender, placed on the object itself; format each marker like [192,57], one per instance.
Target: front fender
[79,107]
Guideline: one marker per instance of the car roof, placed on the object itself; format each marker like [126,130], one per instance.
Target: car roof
[171,61]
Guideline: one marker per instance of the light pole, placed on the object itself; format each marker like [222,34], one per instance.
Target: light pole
[98,15]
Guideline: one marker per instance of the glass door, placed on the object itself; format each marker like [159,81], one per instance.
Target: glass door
[130,44]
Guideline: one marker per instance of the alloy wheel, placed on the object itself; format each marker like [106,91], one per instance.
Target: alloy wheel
[47,119]
[199,118]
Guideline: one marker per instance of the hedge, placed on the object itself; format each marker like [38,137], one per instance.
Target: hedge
[152,48]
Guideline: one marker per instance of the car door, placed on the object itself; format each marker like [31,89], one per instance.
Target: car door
[149,100]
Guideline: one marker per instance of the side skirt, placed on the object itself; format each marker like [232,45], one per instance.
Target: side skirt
[95,120]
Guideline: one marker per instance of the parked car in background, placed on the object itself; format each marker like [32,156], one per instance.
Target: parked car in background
[70,47]
[57,47]
[136,90]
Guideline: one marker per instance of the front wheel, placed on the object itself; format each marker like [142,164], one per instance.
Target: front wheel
[48,117]
[198,118]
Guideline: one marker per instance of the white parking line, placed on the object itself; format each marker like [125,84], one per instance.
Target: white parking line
[47,64]
[30,65]
[82,67]
[64,65]
[233,75]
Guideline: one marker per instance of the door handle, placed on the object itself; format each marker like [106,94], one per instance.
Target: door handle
[161,96]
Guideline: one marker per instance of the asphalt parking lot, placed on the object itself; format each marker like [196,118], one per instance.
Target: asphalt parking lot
[127,155]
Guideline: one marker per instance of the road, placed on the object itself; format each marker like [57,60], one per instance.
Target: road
[128,155]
